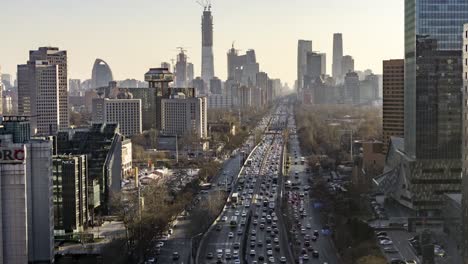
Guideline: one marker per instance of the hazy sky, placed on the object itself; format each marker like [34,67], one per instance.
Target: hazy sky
[134,35]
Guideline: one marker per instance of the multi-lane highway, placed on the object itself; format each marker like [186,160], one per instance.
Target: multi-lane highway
[316,246]
[248,230]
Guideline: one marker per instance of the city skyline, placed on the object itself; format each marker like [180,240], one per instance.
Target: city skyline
[86,36]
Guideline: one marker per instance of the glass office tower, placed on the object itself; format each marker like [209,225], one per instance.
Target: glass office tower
[433,99]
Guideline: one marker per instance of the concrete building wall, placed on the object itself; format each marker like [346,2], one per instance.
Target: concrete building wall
[126,113]
[393,100]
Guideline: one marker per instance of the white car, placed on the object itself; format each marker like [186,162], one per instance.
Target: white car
[231,235]
[386,242]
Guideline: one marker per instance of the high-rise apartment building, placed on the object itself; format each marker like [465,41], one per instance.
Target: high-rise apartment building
[43,90]
[337,71]
[101,74]
[303,47]
[26,208]
[393,100]
[207,69]
[433,111]
[347,64]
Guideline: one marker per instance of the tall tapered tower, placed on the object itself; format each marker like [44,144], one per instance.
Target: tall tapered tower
[207,69]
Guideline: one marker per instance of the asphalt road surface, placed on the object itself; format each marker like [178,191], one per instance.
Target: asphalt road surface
[311,222]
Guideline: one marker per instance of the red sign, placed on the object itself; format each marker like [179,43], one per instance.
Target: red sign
[12,155]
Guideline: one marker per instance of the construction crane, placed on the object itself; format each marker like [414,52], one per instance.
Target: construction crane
[206,4]
[182,49]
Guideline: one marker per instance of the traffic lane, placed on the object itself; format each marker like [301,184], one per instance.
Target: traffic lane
[175,245]
[324,244]
[400,242]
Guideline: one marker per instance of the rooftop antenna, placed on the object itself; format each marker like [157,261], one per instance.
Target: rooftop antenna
[206,4]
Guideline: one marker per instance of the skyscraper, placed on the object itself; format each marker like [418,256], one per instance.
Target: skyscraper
[433,108]
[101,74]
[181,70]
[464,148]
[337,72]
[43,89]
[207,70]
[393,100]
[352,88]
[314,66]
[190,74]
[347,64]
[303,47]
[27,233]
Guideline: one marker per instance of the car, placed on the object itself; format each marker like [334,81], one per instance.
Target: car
[305,257]
[396,261]
[175,255]
[386,242]
[316,233]
[151,260]
[277,248]
[380,238]
[271,259]
[261,258]
[218,227]
[410,261]
[160,244]
[209,255]
[381,233]
[236,245]
[314,238]
[224,219]
[390,250]
[252,252]
[315,254]
[236,213]
[240,232]
[231,235]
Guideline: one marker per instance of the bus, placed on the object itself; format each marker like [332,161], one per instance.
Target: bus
[233,222]
[234,198]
